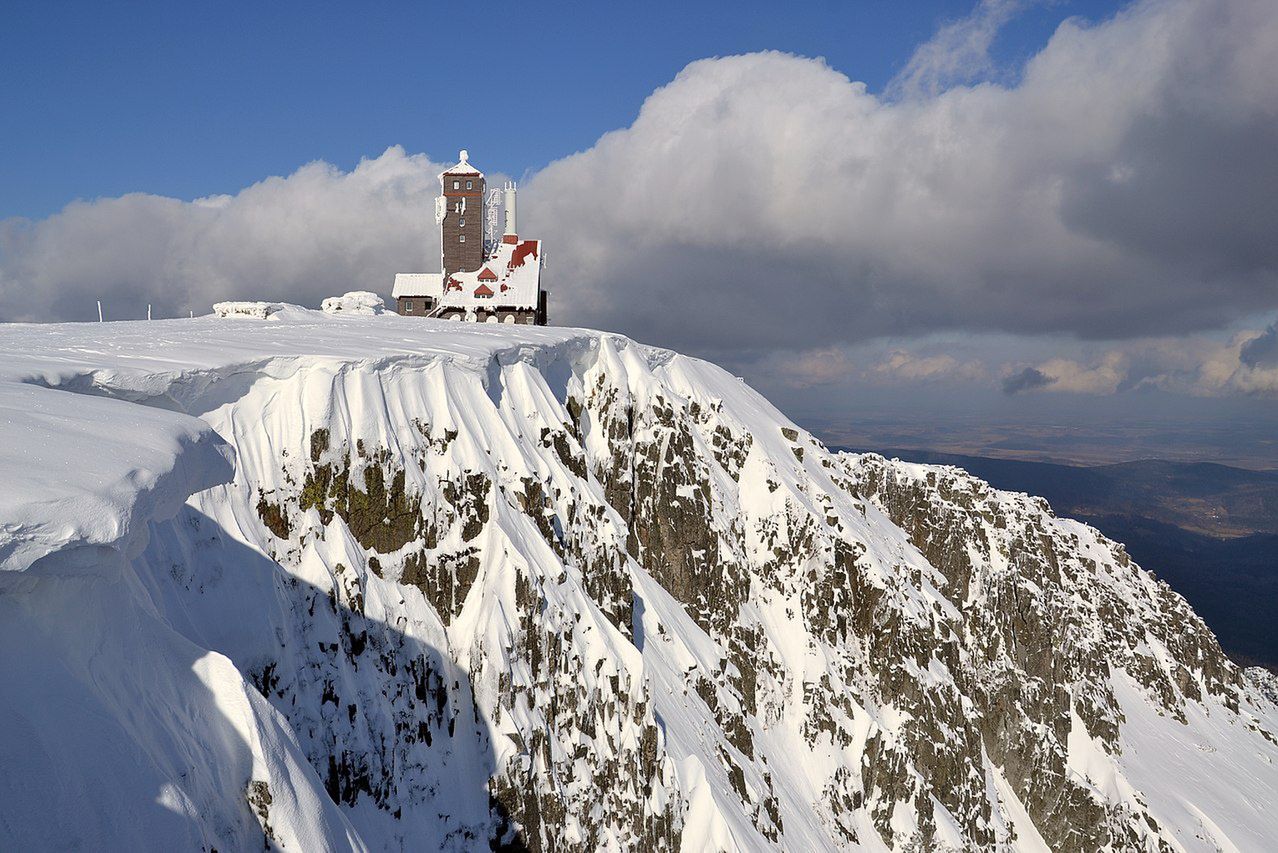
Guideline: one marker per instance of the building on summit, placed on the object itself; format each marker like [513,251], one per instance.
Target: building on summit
[485,277]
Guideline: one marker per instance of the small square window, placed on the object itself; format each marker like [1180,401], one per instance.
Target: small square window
[470,185]
[456,184]
[461,221]
[408,306]
[461,239]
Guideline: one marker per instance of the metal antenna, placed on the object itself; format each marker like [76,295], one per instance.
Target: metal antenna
[491,238]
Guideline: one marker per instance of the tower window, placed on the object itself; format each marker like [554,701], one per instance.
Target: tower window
[456,184]
[462,221]
[470,185]
[461,239]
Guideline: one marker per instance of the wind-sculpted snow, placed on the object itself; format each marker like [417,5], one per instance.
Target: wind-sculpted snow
[479,586]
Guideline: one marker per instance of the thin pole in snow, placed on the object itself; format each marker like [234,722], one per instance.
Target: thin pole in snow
[148,310]
[99,310]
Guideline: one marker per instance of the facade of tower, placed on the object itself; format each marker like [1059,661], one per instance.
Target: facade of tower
[462,225]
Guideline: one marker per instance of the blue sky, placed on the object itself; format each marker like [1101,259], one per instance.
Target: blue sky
[193,99]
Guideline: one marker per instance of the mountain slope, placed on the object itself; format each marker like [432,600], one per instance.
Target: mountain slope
[550,588]
[1210,531]
[1199,497]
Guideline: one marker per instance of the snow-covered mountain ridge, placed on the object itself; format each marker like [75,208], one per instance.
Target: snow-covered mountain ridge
[373,582]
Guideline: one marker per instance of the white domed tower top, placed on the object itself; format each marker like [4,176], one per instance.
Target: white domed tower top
[463,167]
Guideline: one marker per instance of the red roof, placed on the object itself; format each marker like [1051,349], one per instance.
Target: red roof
[453,284]
[487,275]
[522,251]
[484,290]
[510,238]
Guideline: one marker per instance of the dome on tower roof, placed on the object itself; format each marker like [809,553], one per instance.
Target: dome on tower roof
[463,167]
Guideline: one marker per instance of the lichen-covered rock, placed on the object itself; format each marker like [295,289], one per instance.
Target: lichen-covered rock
[258,796]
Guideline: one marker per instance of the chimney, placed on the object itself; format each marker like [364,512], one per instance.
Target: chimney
[511,227]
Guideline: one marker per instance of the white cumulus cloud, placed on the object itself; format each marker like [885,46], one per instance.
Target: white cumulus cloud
[1125,186]
[906,366]
[300,238]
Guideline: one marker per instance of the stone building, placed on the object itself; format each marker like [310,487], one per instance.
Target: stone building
[485,277]
[461,222]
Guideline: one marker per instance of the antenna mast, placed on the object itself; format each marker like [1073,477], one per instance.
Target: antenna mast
[491,237]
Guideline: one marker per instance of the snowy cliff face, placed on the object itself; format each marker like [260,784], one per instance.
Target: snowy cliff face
[436,587]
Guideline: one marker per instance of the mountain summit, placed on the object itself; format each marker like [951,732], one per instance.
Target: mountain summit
[371,582]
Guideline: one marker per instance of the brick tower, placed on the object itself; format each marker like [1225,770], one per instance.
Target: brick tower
[460,214]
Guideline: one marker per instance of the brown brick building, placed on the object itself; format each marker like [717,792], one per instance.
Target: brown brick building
[461,229]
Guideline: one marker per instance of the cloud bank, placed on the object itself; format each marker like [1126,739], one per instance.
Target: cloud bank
[300,238]
[1126,186]
[1198,366]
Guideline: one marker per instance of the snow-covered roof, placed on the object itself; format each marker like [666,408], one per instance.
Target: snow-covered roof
[517,267]
[417,284]
[512,275]
[463,167]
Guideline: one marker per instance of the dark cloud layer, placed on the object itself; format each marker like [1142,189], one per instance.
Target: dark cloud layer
[1026,380]
[1261,351]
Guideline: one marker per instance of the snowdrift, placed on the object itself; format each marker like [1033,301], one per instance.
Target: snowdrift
[340,581]
[354,302]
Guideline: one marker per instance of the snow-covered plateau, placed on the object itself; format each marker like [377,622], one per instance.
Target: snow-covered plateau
[343,581]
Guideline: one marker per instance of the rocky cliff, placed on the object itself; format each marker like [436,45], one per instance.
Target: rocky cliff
[460,588]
